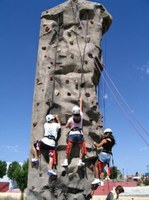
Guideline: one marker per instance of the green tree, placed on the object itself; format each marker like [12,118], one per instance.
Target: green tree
[114,172]
[19,174]
[3,168]
[12,168]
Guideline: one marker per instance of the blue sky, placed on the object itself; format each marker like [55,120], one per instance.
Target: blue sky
[126,58]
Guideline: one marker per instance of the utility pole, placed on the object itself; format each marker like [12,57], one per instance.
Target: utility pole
[147,168]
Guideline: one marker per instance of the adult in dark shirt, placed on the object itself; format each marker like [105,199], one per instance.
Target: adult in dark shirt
[114,194]
[104,155]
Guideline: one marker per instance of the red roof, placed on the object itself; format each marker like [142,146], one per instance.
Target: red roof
[4,186]
[109,185]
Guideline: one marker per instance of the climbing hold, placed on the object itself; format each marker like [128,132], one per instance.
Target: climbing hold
[86,62]
[56,92]
[33,187]
[87,94]
[72,56]
[58,49]
[71,42]
[68,94]
[87,39]
[67,81]
[69,34]
[34,124]
[48,103]
[90,55]
[38,82]
[40,174]
[47,29]
[43,48]
[76,84]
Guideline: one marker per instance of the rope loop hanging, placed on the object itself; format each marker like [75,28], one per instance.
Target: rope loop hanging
[75,11]
[55,63]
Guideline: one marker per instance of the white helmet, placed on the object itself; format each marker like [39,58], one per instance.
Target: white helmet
[49,117]
[107,130]
[76,110]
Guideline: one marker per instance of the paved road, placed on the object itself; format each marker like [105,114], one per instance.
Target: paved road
[122,198]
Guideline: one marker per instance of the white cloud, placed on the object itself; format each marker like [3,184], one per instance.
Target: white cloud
[143,149]
[145,68]
[105,96]
[12,148]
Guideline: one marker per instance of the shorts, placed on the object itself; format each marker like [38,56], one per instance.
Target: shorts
[104,157]
[45,146]
[51,150]
[37,145]
[78,138]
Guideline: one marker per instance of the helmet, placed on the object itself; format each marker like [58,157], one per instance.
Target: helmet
[76,110]
[49,117]
[107,130]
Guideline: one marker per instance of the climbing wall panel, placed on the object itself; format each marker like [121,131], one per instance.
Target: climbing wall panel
[69,64]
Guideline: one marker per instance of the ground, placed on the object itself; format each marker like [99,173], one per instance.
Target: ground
[16,196]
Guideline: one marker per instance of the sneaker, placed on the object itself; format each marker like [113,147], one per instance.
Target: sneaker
[80,163]
[101,183]
[51,172]
[86,156]
[96,181]
[64,163]
[35,161]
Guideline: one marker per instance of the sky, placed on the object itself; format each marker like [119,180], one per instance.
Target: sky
[126,58]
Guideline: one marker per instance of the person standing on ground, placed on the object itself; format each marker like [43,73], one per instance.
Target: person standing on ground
[114,194]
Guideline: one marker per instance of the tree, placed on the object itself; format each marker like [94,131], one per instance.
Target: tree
[19,174]
[12,168]
[114,172]
[3,168]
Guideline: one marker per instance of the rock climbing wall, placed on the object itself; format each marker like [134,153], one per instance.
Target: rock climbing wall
[69,65]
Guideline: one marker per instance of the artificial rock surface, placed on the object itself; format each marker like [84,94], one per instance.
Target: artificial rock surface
[69,65]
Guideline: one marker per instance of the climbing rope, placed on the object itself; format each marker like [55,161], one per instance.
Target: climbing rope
[74,6]
[53,86]
[101,99]
[128,107]
[122,109]
[102,88]
[55,64]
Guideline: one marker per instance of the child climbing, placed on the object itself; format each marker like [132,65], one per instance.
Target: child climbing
[104,156]
[114,194]
[48,142]
[75,134]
